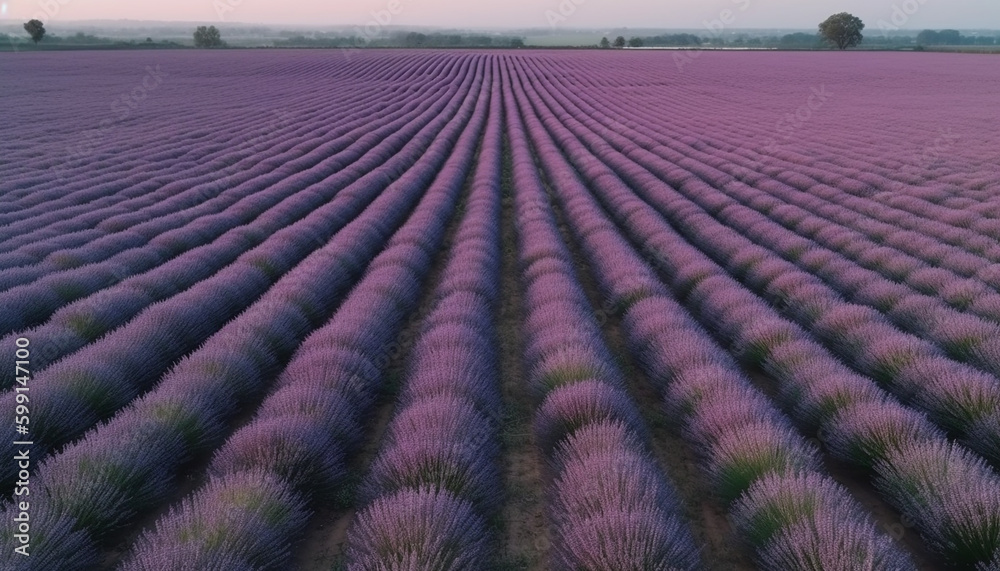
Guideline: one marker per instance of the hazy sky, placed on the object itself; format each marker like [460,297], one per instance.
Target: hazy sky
[907,14]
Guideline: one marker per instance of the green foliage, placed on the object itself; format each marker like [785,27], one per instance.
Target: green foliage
[35,29]
[619,42]
[738,472]
[671,40]
[208,37]
[800,40]
[399,40]
[952,38]
[605,44]
[842,30]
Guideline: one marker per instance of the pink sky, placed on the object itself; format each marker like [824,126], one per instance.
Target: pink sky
[911,14]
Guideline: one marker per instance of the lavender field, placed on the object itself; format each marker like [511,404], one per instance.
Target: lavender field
[580,310]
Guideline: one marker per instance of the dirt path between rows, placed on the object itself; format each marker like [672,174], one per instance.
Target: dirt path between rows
[859,486]
[526,542]
[705,514]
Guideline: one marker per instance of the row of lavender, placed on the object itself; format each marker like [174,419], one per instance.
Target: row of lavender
[187,213]
[952,495]
[93,382]
[433,492]
[274,240]
[130,464]
[959,398]
[211,309]
[611,506]
[769,477]
[189,218]
[930,248]
[124,171]
[293,455]
[103,201]
[962,276]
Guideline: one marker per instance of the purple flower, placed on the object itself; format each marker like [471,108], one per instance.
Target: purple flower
[952,495]
[626,541]
[426,528]
[573,406]
[828,541]
[298,448]
[741,457]
[246,518]
[864,433]
[56,541]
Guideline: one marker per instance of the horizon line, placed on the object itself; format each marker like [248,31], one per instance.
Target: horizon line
[15,21]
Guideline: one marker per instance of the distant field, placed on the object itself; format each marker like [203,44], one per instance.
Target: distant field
[535,310]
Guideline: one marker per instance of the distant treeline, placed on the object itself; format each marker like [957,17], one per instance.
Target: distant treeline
[670,40]
[797,40]
[953,38]
[802,40]
[80,40]
[403,40]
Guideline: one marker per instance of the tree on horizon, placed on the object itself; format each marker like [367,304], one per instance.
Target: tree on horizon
[208,37]
[36,29]
[842,30]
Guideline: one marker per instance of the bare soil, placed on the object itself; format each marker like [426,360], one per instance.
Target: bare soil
[524,524]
